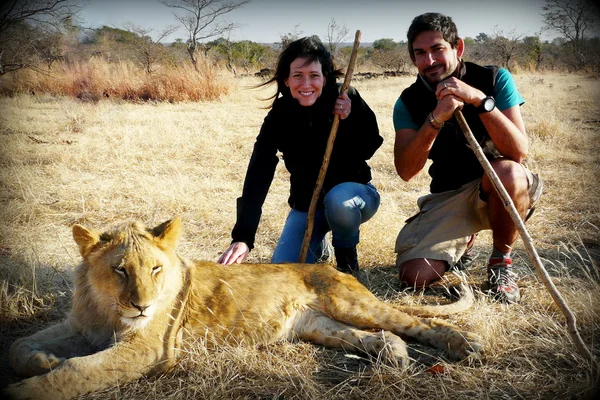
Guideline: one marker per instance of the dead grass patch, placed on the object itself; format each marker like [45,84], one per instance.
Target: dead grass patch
[64,162]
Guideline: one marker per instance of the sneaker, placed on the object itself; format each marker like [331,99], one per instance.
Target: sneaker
[502,281]
[466,260]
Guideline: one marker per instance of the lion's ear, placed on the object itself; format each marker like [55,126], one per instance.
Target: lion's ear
[168,232]
[85,239]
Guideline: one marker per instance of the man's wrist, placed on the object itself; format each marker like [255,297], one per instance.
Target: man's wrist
[487,104]
[434,123]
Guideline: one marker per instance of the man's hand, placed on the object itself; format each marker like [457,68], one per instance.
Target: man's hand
[452,94]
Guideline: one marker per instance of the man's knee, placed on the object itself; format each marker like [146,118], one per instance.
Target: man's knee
[511,174]
[421,272]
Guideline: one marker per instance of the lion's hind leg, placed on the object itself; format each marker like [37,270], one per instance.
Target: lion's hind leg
[353,304]
[319,328]
[46,350]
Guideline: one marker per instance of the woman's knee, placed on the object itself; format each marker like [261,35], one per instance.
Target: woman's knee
[342,205]
[350,203]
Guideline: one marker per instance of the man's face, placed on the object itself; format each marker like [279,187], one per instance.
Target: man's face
[434,57]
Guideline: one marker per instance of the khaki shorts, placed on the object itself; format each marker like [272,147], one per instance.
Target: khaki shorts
[441,229]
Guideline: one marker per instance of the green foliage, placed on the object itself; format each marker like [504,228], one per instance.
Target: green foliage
[469,41]
[482,38]
[385,44]
[111,34]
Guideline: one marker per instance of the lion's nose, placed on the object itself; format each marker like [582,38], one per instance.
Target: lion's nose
[140,307]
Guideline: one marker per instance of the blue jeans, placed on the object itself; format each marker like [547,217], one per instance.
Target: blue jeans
[347,205]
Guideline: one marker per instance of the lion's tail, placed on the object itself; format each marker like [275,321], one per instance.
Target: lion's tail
[466,300]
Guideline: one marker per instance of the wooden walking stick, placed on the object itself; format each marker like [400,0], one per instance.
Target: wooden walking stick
[321,178]
[531,251]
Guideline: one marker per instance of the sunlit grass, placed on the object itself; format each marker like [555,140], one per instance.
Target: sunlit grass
[66,161]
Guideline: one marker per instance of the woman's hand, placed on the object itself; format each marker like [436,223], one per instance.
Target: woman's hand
[235,253]
[343,106]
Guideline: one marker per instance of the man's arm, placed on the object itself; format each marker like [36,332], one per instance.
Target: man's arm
[506,128]
[411,150]
[507,131]
[412,146]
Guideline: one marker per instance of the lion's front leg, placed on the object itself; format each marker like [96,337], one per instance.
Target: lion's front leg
[121,363]
[47,350]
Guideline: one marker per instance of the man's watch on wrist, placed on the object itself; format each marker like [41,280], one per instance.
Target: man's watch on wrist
[487,105]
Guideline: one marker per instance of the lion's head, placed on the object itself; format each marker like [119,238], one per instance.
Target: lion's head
[128,274]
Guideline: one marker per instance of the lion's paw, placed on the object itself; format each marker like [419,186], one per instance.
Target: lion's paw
[24,390]
[464,345]
[41,363]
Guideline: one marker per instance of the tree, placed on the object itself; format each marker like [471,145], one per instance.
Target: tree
[335,35]
[533,50]
[482,38]
[287,38]
[225,46]
[249,54]
[146,51]
[200,18]
[390,56]
[571,18]
[506,48]
[18,17]
[384,44]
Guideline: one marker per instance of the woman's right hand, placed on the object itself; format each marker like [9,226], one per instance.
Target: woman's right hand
[236,253]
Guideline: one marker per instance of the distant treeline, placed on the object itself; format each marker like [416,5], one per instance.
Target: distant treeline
[36,48]
[129,64]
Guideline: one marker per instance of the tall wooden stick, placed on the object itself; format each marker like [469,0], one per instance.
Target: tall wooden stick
[321,178]
[537,263]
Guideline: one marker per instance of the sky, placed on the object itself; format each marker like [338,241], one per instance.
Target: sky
[265,21]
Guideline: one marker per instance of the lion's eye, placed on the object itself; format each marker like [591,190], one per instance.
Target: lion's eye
[120,270]
[156,269]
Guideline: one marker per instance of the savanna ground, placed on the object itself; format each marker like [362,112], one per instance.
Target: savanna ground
[65,161]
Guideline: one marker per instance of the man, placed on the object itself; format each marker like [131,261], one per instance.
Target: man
[462,201]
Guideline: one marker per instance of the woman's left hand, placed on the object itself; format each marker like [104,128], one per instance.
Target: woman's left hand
[343,106]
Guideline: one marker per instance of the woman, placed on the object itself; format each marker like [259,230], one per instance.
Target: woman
[298,125]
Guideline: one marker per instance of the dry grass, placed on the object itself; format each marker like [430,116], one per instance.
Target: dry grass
[98,79]
[65,161]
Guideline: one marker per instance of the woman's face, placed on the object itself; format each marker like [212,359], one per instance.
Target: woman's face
[306,81]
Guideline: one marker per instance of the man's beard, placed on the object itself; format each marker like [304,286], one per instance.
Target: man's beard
[433,81]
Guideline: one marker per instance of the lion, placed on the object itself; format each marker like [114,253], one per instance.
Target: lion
[137,303]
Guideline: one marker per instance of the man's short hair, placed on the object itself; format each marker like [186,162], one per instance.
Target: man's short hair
[432,22]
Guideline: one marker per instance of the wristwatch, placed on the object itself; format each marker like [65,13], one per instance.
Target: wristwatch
[487,105]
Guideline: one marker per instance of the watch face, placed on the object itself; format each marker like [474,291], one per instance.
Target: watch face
[489,104]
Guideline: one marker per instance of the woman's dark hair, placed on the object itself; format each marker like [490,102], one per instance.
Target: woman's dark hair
[312,49]
[432,22]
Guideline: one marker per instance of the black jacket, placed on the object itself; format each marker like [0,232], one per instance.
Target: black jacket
[300,134]
[454,163]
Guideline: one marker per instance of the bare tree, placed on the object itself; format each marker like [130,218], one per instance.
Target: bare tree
[505,47]
[17,15]
[287,38]
[335,35]
[200,19]
[571,18]
[226,46]
[146,50]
